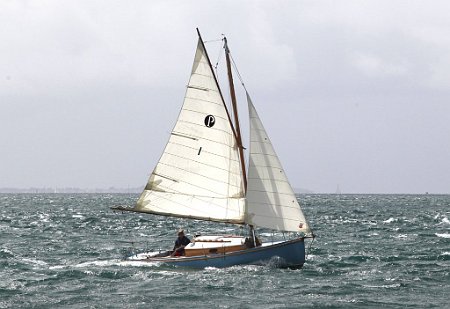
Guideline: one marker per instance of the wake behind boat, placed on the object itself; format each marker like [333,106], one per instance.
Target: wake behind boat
[202,175]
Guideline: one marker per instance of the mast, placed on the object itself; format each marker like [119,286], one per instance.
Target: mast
[235,111]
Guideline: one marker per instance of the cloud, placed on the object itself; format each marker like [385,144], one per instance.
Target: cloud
[97,84]
[375,66]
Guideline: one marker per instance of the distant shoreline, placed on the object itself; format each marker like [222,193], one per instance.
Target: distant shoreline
[138,190]
[63,190]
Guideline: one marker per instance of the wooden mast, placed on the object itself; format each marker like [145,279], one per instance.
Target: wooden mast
[235,110]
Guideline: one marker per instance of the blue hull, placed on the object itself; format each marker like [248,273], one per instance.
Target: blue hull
[290,254]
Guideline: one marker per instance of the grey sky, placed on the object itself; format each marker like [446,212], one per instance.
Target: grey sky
[354,93]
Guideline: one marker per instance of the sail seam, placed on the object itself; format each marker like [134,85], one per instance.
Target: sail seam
[200,197]
[214,129]
[274,179]
[200,74]
[203,100]
[216,167]
[279,205]
[277,192]
[199,139]
[283,218]
[203,151]
[184,136]
[185,206]
[171,190]
[203,113]
[185,170]
[267,166]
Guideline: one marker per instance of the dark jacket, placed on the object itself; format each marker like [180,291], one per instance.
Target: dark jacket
[181,242]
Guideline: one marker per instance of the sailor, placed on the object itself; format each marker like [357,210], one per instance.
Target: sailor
[181,242]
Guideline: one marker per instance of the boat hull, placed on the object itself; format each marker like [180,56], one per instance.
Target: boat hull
[285,254]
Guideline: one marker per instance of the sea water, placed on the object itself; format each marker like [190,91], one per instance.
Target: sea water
[371,251]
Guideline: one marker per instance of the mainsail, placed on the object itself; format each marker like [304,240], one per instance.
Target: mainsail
[198,175]
[271,202]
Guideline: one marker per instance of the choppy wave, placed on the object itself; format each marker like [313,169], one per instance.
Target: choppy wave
[374,251]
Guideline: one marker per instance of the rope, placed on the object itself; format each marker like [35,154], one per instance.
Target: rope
[237,71]
[217,62]
[210,41]
[133,249]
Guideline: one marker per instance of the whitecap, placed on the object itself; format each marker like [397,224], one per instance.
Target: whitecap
[6,250]
[34,262]
[138,263]
[387,286]
[116,262]
[443,235]
[390,220]
[211,268]
[44,217]
[98,263]
[401,236]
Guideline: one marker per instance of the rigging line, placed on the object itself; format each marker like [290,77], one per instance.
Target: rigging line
[217,62]
[130,236]
[211,41]
[237,71]
[219,56]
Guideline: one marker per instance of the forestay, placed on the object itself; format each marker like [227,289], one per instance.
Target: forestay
[198,175]
[271,202]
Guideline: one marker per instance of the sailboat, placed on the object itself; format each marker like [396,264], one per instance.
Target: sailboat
[202,175]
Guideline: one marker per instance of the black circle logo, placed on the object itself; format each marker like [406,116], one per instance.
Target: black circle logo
[210,120]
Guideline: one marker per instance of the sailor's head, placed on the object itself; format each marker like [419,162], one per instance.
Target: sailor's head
[180,233]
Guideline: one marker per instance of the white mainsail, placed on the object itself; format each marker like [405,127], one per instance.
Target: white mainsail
[271,202]
[198,175]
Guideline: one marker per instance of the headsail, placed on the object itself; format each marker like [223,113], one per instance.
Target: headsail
[198,175]
[271,202]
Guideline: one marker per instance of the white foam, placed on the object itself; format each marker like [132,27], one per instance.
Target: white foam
[116,262]
[390,220]
[387,286]
[35,262]
[443,235]
[6,251]
[211,268]
[401,236]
